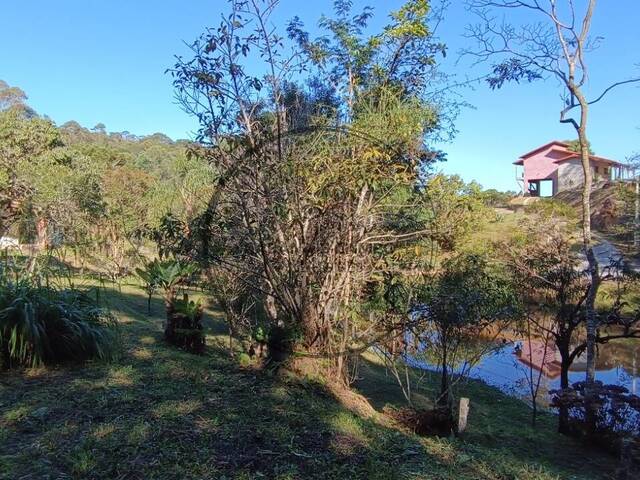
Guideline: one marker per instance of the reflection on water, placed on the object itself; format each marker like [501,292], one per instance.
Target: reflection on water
[508,367]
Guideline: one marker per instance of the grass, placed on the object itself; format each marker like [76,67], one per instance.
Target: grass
[157,413]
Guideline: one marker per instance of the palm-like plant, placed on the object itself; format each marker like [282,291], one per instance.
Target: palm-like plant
[42,325]
[150,285]
[167,275]
[183,325]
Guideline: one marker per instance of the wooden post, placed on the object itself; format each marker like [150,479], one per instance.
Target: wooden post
[463,414]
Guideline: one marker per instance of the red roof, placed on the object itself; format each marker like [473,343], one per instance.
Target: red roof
[564,148]
[544,147]
[591,157]
[541,357]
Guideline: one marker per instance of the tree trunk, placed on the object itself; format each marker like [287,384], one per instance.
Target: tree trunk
[565,363]
[443,401]
[341,364]
[41,232]
[636,218]
[594,274]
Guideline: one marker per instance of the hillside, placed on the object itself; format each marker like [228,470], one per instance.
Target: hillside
[157,413]
[607,203]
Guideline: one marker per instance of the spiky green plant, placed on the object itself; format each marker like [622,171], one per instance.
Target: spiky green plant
[43,325]
[167,275]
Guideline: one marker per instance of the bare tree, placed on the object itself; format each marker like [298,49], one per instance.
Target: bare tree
[556,46]
[534,335]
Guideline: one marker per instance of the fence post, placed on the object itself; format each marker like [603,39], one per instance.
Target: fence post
[463,414]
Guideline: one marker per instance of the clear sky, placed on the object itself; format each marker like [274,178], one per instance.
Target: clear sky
[104,61]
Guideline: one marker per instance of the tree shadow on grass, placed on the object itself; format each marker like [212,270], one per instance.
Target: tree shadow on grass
[174,415]
[161,413]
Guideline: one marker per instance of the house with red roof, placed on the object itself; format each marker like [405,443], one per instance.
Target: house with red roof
[554,167]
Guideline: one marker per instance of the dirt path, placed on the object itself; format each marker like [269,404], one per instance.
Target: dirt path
[608,254]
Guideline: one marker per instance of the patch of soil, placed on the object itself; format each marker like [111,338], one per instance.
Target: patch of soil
[436,422]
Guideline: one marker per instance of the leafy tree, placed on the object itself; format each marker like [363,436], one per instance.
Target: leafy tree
[574,146]
[304,208]
[24,141]
[455,209]
[495,198]
[466,297]
[13,98]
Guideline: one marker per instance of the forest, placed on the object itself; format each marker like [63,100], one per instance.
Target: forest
[298,291]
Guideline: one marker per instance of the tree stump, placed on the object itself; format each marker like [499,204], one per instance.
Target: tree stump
[184,330]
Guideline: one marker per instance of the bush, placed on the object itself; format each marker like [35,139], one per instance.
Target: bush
[281,342]
[617,413]
[552,208]
[42,325]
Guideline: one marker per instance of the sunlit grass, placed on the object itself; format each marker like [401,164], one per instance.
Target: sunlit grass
[124,376]
[104,431]
[176,408]
[160,413]
[16,413]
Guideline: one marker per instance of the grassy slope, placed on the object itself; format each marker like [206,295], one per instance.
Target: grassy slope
[157,413]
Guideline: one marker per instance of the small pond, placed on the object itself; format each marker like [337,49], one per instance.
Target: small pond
[505,367]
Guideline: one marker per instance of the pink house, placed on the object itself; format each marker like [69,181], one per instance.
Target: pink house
[553,167]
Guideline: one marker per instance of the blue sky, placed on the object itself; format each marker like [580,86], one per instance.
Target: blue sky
[104,61]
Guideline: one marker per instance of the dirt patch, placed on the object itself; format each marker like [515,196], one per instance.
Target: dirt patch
[435,422]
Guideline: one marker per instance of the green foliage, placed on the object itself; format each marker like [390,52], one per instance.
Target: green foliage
[551,208]
[465,298]
[455,209]
[574,146]
[402,56]
[467,291]
[14,99]
[320,183]
[123,419]
[495,198]
[166,274]
[192,310]
[43,325]
[89,189]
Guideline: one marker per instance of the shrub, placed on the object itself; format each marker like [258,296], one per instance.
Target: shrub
[552,208]
[183,327]
[617,413]
[42,325]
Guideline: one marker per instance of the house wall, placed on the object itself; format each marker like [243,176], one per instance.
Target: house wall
[570,174]
[541,166]
[601,169]
[565,175]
